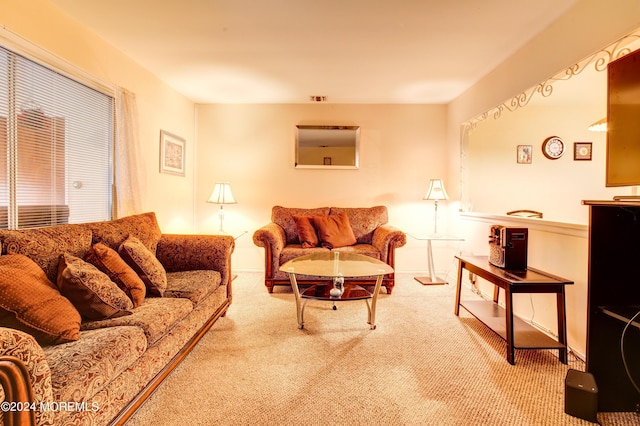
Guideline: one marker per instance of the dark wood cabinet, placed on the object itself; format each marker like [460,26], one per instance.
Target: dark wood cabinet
[613,300]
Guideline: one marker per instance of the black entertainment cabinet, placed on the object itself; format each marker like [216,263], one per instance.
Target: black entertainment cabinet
[613,299]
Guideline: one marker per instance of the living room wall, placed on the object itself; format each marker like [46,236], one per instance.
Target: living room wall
[562,249]
[252,146]
[38,27]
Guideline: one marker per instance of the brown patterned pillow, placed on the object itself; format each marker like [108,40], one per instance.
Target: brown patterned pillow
[334,231]
[109,261]
[306,232]
[31,303]
[145,264]
[93,294]
[283,217]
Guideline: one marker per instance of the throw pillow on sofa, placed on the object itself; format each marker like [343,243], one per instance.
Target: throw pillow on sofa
[31,303]
[91,291]
[306,232]
[334,230]
[109,261]
[148,268]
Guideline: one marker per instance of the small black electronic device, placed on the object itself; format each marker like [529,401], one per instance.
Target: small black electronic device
[508,247]
[581,395]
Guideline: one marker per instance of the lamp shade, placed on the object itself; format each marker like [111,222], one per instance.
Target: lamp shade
[599,126]
[436,191]
[222,194]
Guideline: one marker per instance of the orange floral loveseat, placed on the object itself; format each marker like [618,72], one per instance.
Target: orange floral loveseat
[366,232]
[100,313]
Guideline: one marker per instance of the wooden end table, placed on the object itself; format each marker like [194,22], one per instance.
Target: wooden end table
[517,333]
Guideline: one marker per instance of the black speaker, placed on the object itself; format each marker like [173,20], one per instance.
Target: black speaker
[581,395]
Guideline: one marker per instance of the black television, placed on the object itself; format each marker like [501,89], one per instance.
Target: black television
[623,121]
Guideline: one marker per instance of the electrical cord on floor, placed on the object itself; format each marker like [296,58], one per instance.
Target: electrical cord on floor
[533,309]
[624,358]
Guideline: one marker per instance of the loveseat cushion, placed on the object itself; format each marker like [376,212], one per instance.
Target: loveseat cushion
[363,249]
[45,245]
[155,316]
[364,220]
[283,216]
[192,285]
[81,369]
[114,232]
[31,303]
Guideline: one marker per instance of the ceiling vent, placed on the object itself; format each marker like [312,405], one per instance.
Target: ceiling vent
[318,98]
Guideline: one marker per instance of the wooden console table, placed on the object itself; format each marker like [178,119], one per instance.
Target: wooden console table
[517,333]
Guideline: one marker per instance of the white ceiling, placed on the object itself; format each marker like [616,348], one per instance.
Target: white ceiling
[284,51]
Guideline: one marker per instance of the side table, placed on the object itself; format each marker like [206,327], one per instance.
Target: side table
[517,333]
[432,279]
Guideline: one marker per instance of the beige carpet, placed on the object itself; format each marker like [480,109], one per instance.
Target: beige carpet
[421,366]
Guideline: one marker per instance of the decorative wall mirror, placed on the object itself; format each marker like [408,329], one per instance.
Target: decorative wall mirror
[327,147]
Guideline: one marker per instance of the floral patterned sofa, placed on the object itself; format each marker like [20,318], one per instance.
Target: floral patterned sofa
[286,237]
[92,355]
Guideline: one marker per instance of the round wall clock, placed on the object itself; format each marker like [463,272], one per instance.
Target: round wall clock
[553,147]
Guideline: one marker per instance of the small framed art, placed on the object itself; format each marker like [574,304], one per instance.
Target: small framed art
[582,151]
[327,161]
[172,153]
[525,153]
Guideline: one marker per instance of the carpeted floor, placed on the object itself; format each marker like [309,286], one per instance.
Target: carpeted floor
[421,366]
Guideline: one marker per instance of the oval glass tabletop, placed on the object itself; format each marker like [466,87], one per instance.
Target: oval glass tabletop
[336,264]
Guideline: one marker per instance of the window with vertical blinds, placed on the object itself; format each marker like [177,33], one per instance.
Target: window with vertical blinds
[56,147]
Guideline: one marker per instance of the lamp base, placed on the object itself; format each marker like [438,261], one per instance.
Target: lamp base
[429,281]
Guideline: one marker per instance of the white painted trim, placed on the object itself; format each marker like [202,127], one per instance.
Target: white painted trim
[564,228]
[30,50]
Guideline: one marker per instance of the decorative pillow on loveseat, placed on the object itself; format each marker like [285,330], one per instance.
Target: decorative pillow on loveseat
[306,232]
[283,217]
[91,291]
[144,262]
[334,231]
[109,261]
[30,302]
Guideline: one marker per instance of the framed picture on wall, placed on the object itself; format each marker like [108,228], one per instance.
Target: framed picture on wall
[327,161]
[524,154]
[582,151]
[172,153]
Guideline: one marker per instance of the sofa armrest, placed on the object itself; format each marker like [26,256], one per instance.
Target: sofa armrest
[24,366]
[387,238]
[197,252]
[272,238]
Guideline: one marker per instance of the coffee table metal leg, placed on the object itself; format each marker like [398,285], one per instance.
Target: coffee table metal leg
[299,305]
[374,299]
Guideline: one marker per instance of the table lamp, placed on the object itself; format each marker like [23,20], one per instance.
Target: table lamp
[222,195]
[436,192]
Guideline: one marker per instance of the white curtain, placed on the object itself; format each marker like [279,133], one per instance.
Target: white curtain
[129,170]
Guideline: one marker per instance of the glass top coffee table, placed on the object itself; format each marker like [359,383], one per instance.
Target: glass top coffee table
[337,266]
